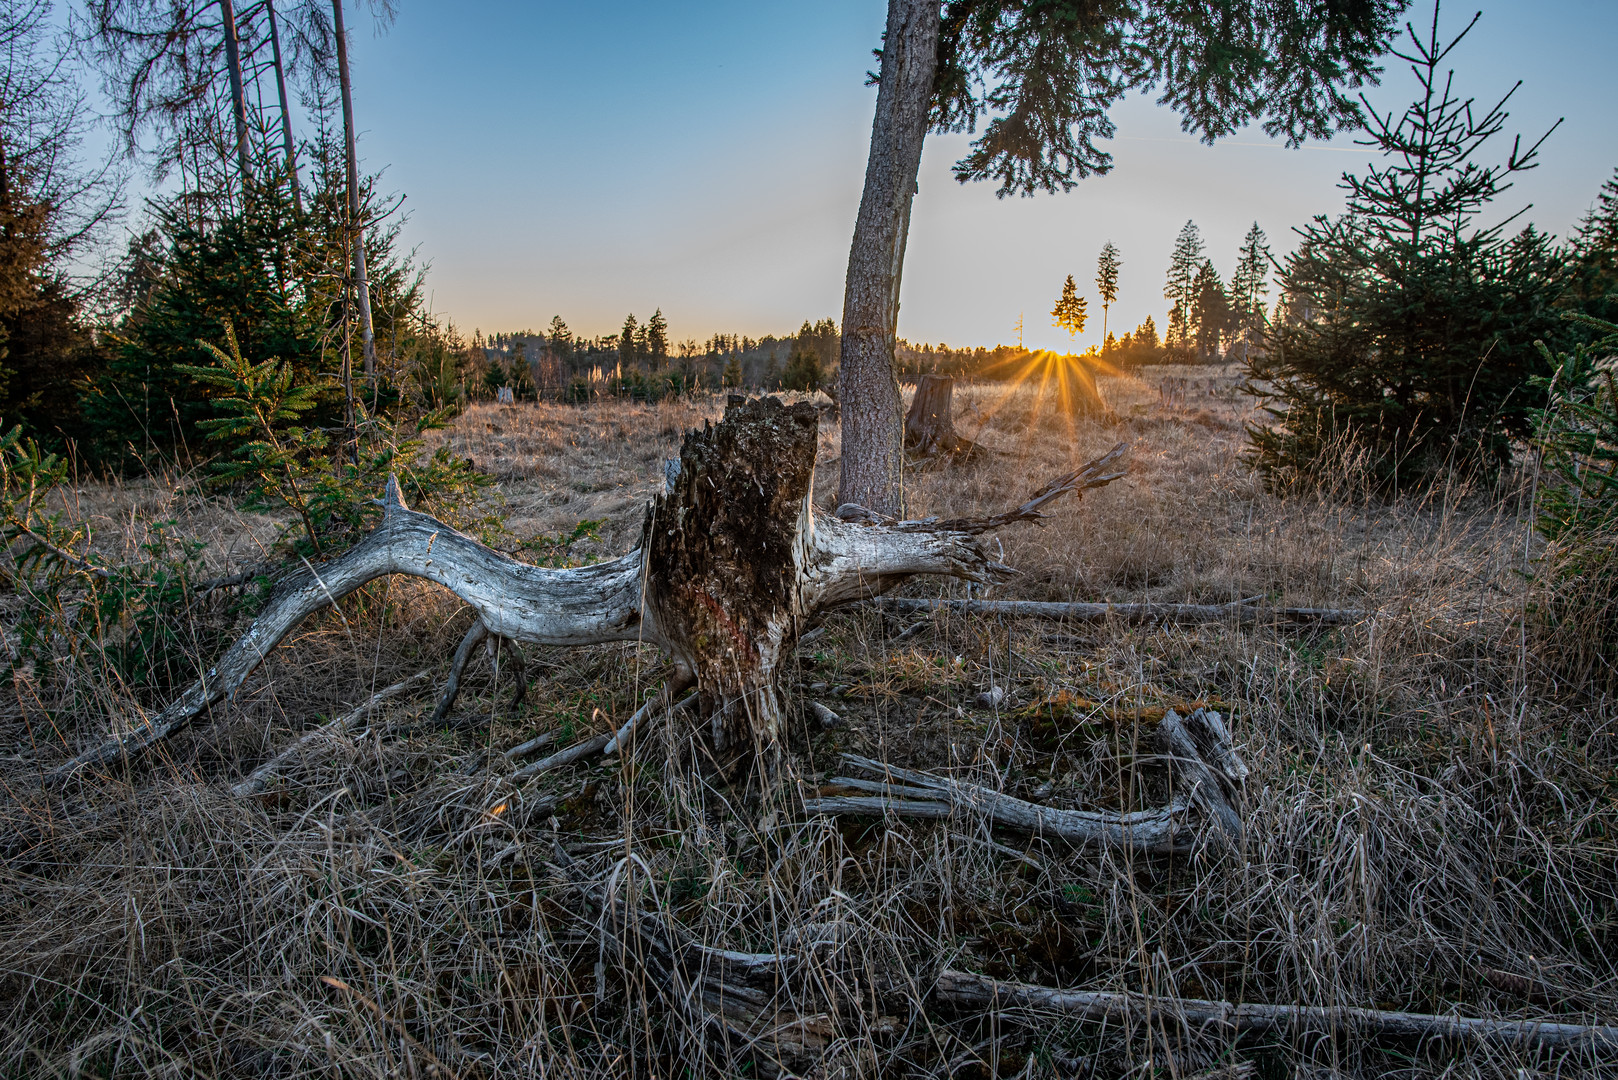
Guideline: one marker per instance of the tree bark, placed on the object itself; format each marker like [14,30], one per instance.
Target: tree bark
[929,426]
[238,96]
[873,433]
[362,284]
[286,112]
[732,564]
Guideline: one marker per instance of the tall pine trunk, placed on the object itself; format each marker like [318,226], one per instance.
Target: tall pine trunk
[357,228]
[286,112]
[872,416]
[238,95]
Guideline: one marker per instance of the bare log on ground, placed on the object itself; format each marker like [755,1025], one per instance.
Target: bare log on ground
[260,777]
[929,425]
[1205,769]
[977,992]
[733,561]
[1242,611]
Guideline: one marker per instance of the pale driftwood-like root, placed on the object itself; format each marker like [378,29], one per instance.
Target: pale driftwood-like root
[963,990]
[452,685]
[1206,771]
[732,562]
[1242,611]
[499,649]
[576,606]
[260,777]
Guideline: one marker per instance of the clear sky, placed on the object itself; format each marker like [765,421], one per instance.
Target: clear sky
[591,160]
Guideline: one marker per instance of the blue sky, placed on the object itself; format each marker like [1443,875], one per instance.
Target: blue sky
[591,160]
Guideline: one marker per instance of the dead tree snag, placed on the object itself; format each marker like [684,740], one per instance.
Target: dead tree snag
[732,563]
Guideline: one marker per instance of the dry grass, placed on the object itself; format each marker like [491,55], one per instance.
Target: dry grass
[1433,814]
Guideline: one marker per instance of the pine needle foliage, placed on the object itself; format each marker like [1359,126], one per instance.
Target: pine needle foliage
[1409,327]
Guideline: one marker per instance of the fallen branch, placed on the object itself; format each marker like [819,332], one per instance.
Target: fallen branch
[1242,611]
[967,991]
[1158,832]
[1205,769]
[260,777]
[600,743]
[1093,474]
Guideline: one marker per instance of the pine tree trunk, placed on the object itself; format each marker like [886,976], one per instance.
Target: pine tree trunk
[872,425]
[238,96]
[286,112]
[362,284]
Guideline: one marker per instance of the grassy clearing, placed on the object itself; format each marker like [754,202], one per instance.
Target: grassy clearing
[1432,816]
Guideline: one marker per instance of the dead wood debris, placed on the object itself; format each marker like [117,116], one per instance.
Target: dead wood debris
[1206,770]
[964,990]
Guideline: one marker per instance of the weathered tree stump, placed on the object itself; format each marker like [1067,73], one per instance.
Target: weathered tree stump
[929,425]
[732,563]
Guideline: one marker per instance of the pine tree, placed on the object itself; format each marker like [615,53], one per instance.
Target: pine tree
[1594,288]
[1249,285]
[1412,327]
[1146,335]
[627,351]
[1107,265]
[1180,287]
[559,339]
[1210,312]
[657,340]
[1069,310]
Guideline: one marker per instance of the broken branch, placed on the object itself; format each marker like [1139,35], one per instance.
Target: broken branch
[964,990]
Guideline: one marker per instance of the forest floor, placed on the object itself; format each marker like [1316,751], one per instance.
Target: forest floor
[1431,817]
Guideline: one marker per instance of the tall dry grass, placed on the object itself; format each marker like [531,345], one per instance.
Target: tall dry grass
[1431,817]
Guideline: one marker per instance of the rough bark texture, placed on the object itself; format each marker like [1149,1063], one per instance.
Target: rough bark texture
[873,435]
[723,556]
[929,425]
[733,561]
[238,99]
[362,284]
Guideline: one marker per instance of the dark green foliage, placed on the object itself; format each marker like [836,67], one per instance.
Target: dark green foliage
[1047,71]
[1579,438]
[251,271]
[279,461]
[803,370]
[1593,283]
[1409,330]
[1578,507]
[1210,312]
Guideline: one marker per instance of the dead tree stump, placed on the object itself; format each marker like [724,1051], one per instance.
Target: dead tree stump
[929,425]
[732,562]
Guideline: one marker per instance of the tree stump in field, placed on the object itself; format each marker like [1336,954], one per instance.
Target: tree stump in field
[929,425]
[733,561]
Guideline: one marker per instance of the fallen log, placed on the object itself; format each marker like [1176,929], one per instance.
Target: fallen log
[964,990]
[1242,611]
[732,561]
[1205,770]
